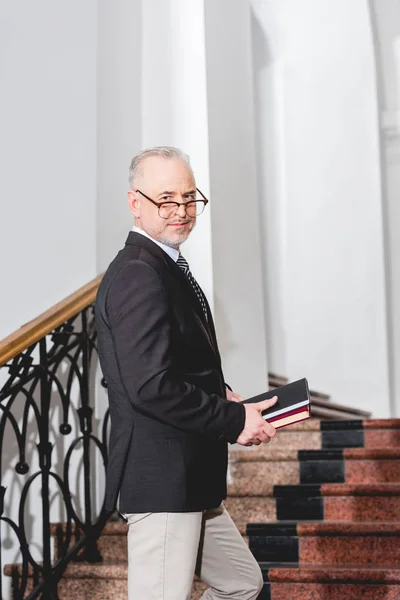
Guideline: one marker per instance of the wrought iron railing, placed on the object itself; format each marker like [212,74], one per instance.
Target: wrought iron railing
[53,447]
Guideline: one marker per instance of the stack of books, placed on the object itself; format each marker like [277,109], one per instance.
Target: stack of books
[293,403]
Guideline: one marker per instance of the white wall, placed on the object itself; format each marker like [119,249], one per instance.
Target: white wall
[119,128]
[47,187]
[48,153]
[332,232]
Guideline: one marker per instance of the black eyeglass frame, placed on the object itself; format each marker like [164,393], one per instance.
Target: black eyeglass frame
[177,204]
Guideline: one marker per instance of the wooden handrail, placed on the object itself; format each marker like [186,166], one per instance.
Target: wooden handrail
[45,323]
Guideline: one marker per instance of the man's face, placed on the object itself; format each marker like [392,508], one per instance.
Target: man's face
[163,180]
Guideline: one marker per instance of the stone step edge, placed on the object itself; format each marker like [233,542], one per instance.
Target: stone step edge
[321,454]
[314,424]
[350,454]
[311,490]
[330,573]
[324,529]
[272,572]
[81,570]
[335,407]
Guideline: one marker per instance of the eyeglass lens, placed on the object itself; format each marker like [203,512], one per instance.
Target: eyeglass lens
[169,209]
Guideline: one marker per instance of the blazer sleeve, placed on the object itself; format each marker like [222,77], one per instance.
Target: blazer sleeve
[137,309]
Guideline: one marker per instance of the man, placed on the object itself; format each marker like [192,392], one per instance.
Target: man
[171,413]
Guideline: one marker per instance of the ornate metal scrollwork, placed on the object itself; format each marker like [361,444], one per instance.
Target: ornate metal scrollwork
[49,432]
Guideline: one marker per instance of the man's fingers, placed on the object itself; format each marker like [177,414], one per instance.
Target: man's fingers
[270,430]
[264,404]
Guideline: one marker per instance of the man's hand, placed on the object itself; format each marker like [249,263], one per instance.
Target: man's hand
[256,429]
[233,396]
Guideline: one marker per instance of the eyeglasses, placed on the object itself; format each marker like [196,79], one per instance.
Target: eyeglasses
[193,207]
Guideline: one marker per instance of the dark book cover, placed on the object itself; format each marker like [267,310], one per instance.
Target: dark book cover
[291,397]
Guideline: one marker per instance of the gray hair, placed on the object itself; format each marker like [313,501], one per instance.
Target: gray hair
[166,152]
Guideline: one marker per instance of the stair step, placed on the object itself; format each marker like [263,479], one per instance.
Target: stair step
[354,465]
[274,450]
[367,433]
[251,509]
[350,465]
[112,543]
[330,573]
[107,581]
[103,581]
[329,591]
[331,581]
[276,381]
[326,542]
[258,478]
[338,489]
[333,502]
[313,434]
[321,403]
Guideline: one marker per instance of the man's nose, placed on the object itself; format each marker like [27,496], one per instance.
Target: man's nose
[182,211]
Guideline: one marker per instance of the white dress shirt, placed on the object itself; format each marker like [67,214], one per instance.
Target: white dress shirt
[172,252]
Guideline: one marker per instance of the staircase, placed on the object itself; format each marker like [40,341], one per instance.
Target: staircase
[322,505]
[319,506]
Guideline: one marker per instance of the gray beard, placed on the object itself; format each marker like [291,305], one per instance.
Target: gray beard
[175,245]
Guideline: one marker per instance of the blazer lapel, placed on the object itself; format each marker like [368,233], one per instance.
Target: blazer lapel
[207,326]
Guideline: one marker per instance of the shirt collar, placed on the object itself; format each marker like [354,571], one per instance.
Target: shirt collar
[172,252]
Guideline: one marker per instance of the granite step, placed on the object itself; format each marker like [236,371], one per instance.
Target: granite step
[296,581]
[336,502]
[99,581]
[367,433]
[338,542]
[84,581]
[350,465]
[251,509]
[330,582]
[249,477]
[314,434]
[107,581]
[259,478]
[112,543]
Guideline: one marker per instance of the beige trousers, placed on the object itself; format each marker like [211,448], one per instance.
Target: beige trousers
[166,549]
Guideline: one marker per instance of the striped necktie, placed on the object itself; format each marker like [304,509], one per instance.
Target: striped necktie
[184,265]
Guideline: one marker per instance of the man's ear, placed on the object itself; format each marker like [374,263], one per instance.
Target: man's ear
[134,203]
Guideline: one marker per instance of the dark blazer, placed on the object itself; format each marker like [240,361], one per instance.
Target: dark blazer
[170,420]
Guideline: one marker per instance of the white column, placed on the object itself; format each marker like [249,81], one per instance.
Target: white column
[197,95]
[174,104]
[328,152]
[238,287]
[386,27]
[268,42]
